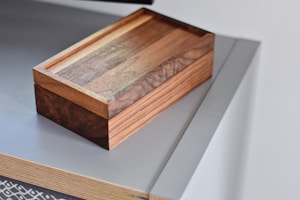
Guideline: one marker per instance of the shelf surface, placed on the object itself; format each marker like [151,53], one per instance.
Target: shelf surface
[148,161]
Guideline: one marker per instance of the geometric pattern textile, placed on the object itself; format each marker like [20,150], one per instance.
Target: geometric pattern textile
[11,189]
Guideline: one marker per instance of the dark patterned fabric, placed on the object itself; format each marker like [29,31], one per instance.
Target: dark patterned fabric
[11,189]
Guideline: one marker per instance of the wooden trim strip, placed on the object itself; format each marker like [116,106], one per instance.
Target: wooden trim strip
[65,182]
[70,91]
[189,27]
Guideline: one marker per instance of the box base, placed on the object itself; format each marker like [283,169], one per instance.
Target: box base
[72,116]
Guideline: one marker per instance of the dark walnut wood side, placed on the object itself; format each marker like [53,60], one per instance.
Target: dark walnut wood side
[112,83]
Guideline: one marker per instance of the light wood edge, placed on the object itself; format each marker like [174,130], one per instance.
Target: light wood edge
[94,38]
[129,121]
[99,43]
[88,40]
[70,91]
[153,197]
[65,182]
[177,23]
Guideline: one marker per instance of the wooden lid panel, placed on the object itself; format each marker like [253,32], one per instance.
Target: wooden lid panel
[127,60]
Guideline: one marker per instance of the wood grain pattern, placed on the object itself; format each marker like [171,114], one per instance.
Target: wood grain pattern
[70,91]
[114,83]
[115,52]
[100,38]
[124,76]
[155,197]
[72,116]
[160,74]
[73,184]
[142,111]
[108,32]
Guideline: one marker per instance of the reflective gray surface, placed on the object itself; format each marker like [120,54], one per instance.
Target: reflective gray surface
[192,146]
[32,32]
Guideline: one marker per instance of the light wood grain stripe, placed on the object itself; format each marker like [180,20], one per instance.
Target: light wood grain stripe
[65,182]
[86,42]
[115,81]
[110,35]
[115,52]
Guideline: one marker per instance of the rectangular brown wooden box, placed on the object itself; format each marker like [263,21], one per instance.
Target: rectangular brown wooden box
[110,84]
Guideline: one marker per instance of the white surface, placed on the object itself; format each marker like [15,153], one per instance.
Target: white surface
[272,162]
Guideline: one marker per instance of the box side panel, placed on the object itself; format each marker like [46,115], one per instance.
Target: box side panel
[72,116]
[147,108]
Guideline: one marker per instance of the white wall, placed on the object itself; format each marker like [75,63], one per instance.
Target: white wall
[272,160]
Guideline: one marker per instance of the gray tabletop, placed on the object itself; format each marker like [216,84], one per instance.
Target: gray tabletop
[32,32]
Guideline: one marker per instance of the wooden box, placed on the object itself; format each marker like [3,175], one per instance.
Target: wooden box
[110,84]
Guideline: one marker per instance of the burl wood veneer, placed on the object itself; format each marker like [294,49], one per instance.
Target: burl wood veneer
[113,82]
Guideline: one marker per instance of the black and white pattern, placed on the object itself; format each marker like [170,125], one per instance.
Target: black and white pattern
[15,190]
